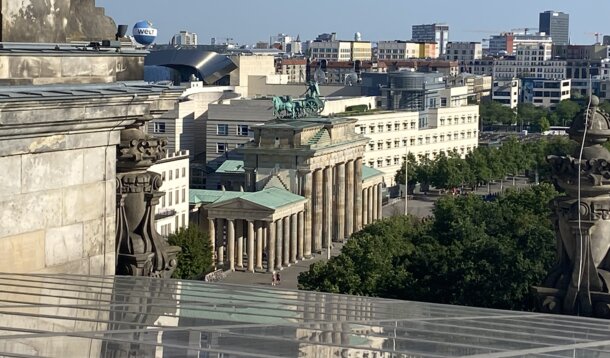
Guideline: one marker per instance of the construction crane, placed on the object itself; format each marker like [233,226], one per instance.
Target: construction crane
[597,35]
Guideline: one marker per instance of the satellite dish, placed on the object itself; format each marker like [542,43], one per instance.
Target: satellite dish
[351,79]
[319,76]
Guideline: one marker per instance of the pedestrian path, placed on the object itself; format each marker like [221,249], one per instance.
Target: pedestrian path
[288,275]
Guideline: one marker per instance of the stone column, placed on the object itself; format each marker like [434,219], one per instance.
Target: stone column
[271,246]
[250,178]
[318,210]
[260,226]
[374,202]
[220,238]
[300,236]
[379,201]
[340,204]
[293,238]
[239,235]
[349,198]
[286,242]
[279,238]
[358,194]
[212,234]
[306,187]
[231,243]
[327,228]
[365,208]
[250,246]
[371,206]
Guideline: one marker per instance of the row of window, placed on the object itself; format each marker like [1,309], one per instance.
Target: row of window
[167,229]
[388,127]
[397,143]
[224,147]
[173,197]
[170,174]
[241,129]
[398,160]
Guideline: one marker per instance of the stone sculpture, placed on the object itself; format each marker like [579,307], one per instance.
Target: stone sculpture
[141,251]
[580,281]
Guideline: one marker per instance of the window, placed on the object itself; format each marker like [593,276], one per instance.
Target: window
[159,127]
[183,172]
[169,198]
[221,147]
[183,195]
[242,130]
[177,173]
[171,175]
[163,201]
[222,129]
[184,223]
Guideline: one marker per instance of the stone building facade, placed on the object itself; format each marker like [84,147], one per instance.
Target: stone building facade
[305,187]
[58,152]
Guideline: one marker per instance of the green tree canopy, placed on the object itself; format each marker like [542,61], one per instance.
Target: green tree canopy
[471,252]
[195,260]
[566,111]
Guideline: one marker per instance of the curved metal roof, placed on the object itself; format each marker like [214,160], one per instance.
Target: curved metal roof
[207,65]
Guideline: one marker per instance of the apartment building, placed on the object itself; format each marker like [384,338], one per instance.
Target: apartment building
[402,50]
[294,68]
[172,212]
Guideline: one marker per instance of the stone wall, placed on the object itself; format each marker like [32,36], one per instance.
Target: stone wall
[56,21]
[58,175]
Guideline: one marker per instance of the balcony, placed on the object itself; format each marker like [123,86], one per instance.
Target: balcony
[165,213]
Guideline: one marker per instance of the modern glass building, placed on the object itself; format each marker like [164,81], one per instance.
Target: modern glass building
[557,25]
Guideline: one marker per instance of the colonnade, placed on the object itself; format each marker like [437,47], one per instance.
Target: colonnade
[258,245]
[372,209]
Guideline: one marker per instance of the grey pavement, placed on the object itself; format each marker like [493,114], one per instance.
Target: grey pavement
[288,275]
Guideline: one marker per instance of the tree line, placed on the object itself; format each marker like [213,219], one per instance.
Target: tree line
[485,164]
[469,252]
[537,119]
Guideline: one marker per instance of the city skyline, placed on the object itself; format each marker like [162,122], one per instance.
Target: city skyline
[466,23]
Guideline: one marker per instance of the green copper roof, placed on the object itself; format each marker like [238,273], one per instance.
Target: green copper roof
[231,166]
[198,196]
[368,172]
[272,198]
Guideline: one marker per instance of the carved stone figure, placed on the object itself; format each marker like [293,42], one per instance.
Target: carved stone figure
[141,251]
[580,281]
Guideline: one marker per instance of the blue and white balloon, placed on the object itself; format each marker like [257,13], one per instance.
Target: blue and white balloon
[144,33]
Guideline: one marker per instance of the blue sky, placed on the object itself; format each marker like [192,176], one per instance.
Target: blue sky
[249,21]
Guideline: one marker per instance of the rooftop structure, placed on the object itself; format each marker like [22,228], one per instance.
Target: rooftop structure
[438,33]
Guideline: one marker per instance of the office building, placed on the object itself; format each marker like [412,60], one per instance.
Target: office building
[507,92]
[438,33]
[403,50]
[185,38]
[557,25]
[530,61]
[506,43]
[544,92]
[337,50]
[449,124]
[464,53]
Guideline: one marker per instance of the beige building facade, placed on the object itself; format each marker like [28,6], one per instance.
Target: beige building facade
[305,187]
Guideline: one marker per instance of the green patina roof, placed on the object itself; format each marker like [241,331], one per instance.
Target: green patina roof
[198,196]
[231,166]
[368,172]
[272,198]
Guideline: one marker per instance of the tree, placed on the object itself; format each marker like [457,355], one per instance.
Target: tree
[399,178]
[566,111]
[492,112]
[424,172]
[479,167]
[470,252]
[195,260]
[446,173]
